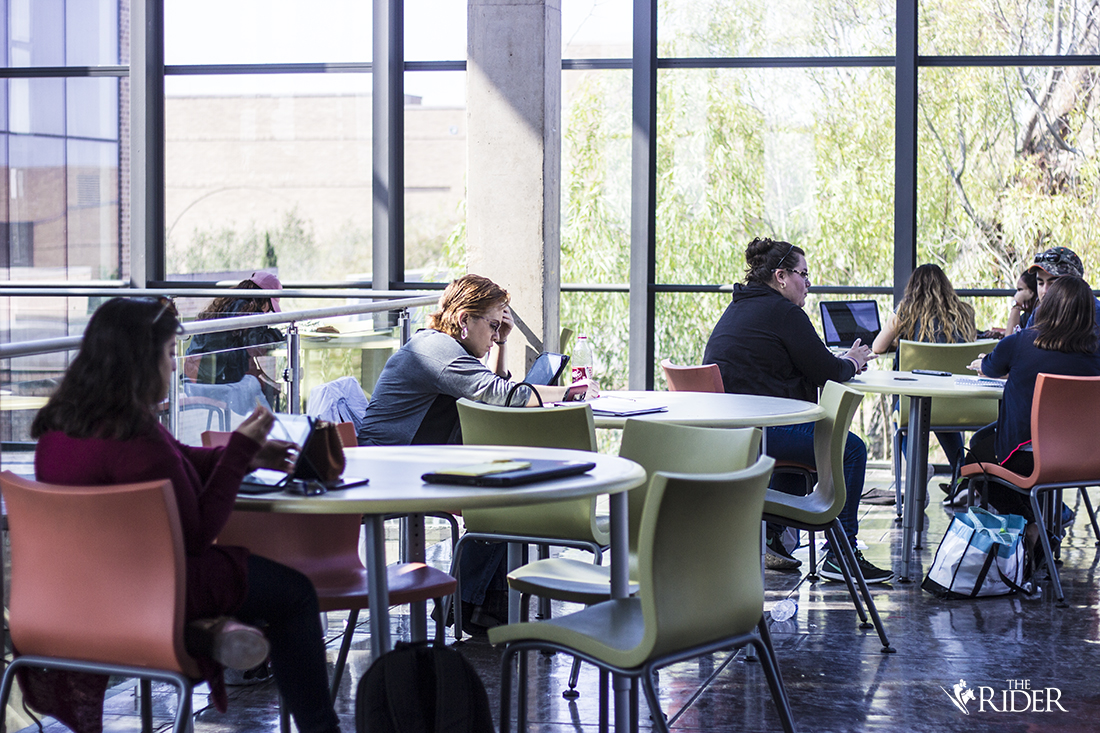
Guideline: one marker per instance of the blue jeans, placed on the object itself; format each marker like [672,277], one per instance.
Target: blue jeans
[483,567]
[951,442]
[796,443]
[284,600]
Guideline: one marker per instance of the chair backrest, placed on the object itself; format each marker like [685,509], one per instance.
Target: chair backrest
[705,378]
[700,540]
[660,446]
[823,505]
[1065,420]
[569,427]
[97,572]
[954,358]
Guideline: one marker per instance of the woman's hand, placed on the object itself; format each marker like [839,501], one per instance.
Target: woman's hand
[860,354]
[278,455]
[976,365]
[257,425]
[506,324]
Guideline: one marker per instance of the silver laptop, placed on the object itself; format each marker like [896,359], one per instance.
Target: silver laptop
[844,321]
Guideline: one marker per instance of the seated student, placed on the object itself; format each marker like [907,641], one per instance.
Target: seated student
[230,356]
[765,344]
[1062,339]
[931,312]
[1023,302]
[414,403]
[99,428]
[1050,265]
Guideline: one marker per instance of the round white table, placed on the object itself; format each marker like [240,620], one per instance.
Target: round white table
[920,389]
[396,488]
[715,409]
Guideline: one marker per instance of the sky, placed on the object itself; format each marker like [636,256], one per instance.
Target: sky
[304,31]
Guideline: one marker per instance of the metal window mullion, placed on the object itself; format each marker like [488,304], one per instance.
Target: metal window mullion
[388,84]
[905,161]
[147,141]
[643,199]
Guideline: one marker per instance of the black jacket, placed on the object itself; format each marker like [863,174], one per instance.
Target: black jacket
[765,345]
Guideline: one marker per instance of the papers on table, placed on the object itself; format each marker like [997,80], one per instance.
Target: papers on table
[979,382]
[623,407]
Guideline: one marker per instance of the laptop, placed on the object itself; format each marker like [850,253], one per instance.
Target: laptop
[514,473]
[547,369]
[844,321]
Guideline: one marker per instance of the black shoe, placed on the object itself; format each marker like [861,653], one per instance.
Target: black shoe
[830,569]
[777,557]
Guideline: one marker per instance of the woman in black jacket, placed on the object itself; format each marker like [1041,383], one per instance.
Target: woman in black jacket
[765,344]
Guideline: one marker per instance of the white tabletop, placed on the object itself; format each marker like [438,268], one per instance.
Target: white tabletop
[396,487]
[919,385]
[716,410]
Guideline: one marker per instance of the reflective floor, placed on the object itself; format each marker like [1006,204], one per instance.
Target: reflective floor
[1019,656]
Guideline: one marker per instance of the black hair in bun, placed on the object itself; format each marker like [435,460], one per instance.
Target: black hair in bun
[764,256]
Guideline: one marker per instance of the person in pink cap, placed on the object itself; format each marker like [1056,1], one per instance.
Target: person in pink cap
[229,357]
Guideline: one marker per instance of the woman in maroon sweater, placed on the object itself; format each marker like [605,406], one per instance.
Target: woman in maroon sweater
[99,428]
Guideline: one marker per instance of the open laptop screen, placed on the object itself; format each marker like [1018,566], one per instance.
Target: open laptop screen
[844,321]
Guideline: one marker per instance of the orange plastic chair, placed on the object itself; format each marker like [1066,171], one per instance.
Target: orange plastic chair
[706,378]
[1065,419]
[325,548]
[98,583]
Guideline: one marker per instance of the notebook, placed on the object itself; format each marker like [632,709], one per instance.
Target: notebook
[623,407]
[844,321]
[522,471]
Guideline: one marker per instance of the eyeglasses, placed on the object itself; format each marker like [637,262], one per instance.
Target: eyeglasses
[495,325]
[804,274]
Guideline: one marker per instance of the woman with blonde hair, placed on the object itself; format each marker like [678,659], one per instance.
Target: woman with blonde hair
[930,312]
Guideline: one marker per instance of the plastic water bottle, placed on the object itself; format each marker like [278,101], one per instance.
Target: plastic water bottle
[584,360]
[784,610]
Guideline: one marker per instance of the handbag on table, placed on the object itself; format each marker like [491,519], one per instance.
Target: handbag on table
[323,454]
[981,554]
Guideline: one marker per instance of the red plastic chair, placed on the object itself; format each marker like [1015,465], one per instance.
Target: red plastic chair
[97,584]
[325,547]
[1065,420]
[706,378]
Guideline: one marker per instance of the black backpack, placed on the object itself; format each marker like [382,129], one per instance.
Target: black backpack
[422,688]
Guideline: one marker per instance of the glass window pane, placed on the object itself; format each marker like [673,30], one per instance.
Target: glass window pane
[805,155]
[595,188]
[435,30]
[596,29]
[93,221]
[92,105]
[37,33]
[1000,176]
[93,36]
[602,317]
[266,31]
[37,106]
[265,177]
[776,28]
[1015,27]
[36,221]
[435,167]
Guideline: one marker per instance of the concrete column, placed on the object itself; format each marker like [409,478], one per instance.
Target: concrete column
[513,200]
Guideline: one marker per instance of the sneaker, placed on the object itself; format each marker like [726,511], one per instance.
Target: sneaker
[255,676]
[830,569]
[1068,515]
[961,497]
[776,556]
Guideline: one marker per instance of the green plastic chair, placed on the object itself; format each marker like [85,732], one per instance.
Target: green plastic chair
[819,510]
[684,608]
[570,523]
[952,414]
[656,446]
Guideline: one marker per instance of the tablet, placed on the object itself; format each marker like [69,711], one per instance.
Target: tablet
[528,471]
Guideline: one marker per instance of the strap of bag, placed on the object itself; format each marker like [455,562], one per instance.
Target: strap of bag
[399,677]
[516,386]
[990,557]
[452,691]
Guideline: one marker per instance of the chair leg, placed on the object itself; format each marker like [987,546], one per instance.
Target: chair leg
[1092,514]
[521,693]
[656,714]
[284,716]
[897,474]
[505,689]
[544,601]
[456,599]
[342,657]
[145,703]
[812,576]
[833,533]
[1044,537]
[574,675]
[775,679]
[871,609]
[605,716]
